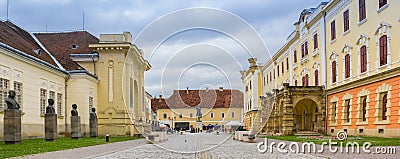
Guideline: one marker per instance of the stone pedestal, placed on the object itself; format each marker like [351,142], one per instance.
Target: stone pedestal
[75,127]
[93,127]
[12,126]
[199,125]
[50,127]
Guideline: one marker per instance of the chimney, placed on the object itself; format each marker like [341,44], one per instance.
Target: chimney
[221,89]
[187,90]
[252,62]
[159,100]
[206,89]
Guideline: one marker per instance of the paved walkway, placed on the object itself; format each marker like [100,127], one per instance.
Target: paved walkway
[205,145]
[89,152]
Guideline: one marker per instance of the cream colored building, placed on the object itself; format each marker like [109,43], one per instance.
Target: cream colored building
[75,68]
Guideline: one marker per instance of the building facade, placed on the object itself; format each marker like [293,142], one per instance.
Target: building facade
[345,50]
[222,107]
[74,68]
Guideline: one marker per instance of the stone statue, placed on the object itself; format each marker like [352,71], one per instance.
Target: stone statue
[50,108]
[11,102]
[198,113]
[74,112]
[93,114]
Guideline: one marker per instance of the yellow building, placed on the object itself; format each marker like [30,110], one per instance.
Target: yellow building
[343,74]
[221,107]
[252,81]
[75,68]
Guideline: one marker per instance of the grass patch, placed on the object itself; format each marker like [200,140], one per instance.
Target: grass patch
[35,146]
[376,141]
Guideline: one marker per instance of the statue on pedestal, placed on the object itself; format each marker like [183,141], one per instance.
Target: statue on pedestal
[50,108]
[93,114]
[198,113]
[11,102]
[74,112]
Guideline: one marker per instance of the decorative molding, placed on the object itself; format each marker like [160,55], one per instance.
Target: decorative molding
[5,72]
[18,75]
[338,8]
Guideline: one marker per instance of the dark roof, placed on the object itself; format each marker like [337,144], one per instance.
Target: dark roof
[19,39]
[60,46]
[203,98]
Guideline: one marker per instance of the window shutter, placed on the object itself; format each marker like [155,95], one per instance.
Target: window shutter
[295,56]
[364,110]
[287,63]
[334,72]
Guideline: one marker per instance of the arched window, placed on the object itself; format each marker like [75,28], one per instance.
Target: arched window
[295,56]
[295,83]
[165,115]
[180,115]
[364,109]
[233,114]
[363,58]
[316,77]
[334,72]
[347,66]
[191,115]
[383,50]
[223,115]
[212,115]
[384,107]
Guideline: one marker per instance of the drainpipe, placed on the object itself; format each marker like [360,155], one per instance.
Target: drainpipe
[65,107]
[94,63]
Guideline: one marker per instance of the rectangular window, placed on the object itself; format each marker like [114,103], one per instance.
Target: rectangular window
[287,63]
[302,51]
[364,108]
[59,104]
[43,97]
[361,10]
[90,104]
[384,106]
[233,114]
[333,30]
[18,93]
[346,20]
[283,70]
[383,50]
[334,72]
[382,3]
[4,88]
[223,115]
[295,56]
[315,41]
[363,59]
[333,112]
[278,70]
[347,65]
[347,111]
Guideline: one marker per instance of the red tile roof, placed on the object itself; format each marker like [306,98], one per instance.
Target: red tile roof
[18,38]
[60,46]
[204,98]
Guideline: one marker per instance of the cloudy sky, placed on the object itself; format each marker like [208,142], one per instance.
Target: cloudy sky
[193,44]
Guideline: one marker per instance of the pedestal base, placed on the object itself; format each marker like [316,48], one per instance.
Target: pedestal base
[75,127]
[93,127]
[12,126]
[50,127]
